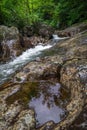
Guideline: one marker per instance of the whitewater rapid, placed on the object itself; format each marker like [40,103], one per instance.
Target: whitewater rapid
[6,70]
[9,68]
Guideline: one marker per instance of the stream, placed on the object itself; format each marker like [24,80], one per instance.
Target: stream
[6,70]
[60,102]
[47,99]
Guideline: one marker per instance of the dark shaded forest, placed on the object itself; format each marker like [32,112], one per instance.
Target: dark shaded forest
[56,13]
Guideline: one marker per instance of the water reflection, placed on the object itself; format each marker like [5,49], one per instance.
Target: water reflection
[46,98]
[48,105]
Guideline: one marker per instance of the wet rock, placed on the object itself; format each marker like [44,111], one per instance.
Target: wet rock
[83,76]
[28,43]
[8,33]
[81,122]
[15,115]
[25,121]
[48,126]
[45,31]
[12,43]
[38,29]
[28,31]
[72,31]
[38,33]
[11,114]
[35,40]
[69,65]
[8,37]
[44,69]
[38,59]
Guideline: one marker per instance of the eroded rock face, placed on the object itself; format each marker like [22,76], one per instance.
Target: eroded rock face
[12,43]
[69,66]
[8,33]
[39,29]
[34,40]
[8,38]
[15,116]
[45,31]
[72,31]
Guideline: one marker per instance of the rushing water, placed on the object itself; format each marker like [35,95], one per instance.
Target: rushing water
[45,98]
[56,38]
[9,68]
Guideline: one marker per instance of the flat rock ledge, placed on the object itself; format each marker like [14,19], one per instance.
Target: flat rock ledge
[68,66]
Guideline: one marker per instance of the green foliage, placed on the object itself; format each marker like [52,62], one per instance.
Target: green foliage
[71,12]
[57,13]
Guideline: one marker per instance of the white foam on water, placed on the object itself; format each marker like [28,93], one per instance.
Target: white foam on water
[12,66]
[29,53]
[57,38]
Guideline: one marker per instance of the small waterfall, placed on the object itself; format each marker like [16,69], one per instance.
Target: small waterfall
[9,68]
[56,38]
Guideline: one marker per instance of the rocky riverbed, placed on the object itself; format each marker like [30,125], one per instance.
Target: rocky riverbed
[64,64]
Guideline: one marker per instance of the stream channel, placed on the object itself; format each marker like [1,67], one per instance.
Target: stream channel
[47,99]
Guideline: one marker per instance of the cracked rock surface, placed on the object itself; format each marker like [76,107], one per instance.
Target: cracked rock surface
[66,64]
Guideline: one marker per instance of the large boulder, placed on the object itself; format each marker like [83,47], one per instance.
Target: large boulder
[43,30]
[8,33]
[8,37]
[12,43]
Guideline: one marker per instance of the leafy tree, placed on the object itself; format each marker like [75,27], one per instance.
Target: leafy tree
[71,12]
[57,13]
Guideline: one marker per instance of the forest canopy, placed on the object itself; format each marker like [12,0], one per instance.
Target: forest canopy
[56,13]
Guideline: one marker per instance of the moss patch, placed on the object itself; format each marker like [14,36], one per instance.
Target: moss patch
[24,94]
